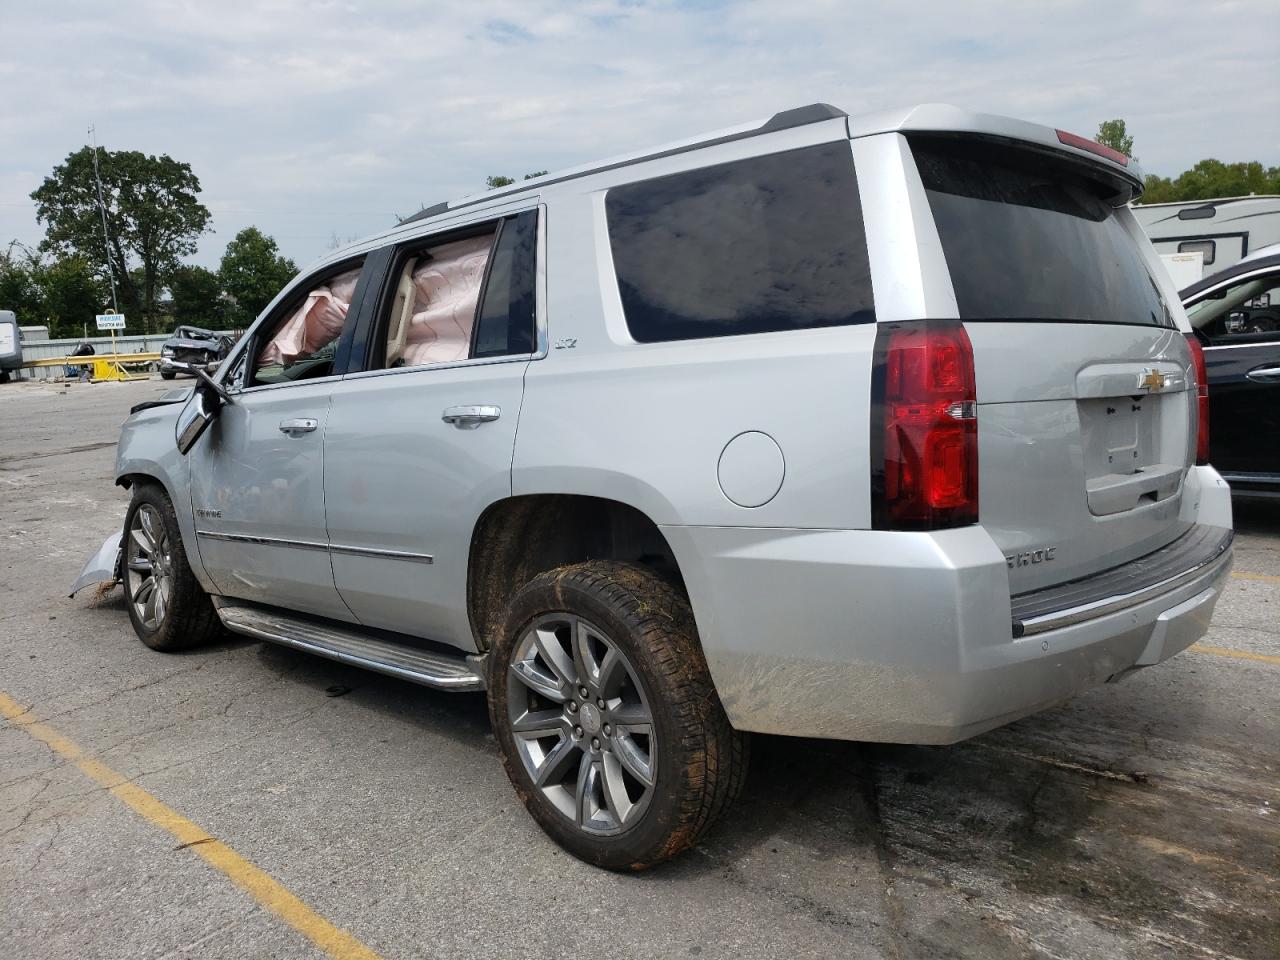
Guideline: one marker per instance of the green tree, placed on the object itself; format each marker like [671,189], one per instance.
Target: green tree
[196,293]
[1111,133]
[252,273]
[153,218]
[492,183]
[1210,179]
[73,292]
[19,284]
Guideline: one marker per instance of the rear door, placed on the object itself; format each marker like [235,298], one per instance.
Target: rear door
[1239,322]
[1085,413]
[420,442]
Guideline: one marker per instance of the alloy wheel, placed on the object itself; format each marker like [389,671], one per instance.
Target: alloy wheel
[149,567]
[582,723]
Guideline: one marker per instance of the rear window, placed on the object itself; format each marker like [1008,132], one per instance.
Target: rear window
[758,245]
[1027,238]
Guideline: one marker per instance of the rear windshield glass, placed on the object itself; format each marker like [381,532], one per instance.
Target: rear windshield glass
[1029,239]
[757,245]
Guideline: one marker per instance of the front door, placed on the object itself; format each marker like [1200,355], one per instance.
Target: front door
[257,492]
[420,443]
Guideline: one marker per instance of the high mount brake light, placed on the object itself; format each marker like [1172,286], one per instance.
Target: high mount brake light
[1202,399]
[1084,143]
[924,427]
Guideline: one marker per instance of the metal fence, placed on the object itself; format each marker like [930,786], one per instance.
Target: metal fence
[45,349]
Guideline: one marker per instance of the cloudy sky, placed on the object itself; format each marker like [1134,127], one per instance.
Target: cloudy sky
[316,119]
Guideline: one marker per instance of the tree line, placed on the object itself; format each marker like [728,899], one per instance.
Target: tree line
[1207,180]
[153,218]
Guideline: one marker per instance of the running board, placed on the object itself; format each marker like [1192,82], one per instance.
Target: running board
[349,645]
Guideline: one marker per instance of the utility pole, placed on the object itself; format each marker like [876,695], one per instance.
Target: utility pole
[102,208]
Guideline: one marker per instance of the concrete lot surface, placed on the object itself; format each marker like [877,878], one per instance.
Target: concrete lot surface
[1140,820]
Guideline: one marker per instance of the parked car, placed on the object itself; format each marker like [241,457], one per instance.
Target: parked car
[1236,313]
[191,345]
[879,428]
[10,345]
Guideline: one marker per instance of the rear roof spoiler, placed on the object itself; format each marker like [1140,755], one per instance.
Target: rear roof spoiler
[945,119]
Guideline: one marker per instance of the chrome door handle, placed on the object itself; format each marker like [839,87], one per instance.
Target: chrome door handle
[301,425]
[1267,374]
[470,416]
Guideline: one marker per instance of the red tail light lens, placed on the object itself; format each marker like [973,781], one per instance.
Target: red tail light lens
[925,470]
[1202,399]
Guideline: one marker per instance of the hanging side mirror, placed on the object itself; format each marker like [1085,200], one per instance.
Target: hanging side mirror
[208,398]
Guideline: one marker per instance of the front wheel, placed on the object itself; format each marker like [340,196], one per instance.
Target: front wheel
[610,727]
[168,607]
[167,374]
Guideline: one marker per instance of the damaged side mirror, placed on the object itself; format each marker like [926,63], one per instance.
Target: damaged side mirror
[208,398]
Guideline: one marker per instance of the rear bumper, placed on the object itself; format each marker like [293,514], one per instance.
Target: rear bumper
[907,637]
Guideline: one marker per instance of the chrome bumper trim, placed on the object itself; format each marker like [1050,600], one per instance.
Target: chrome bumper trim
[1207,566]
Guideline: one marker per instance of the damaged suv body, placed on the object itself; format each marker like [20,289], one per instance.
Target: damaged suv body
[883,428]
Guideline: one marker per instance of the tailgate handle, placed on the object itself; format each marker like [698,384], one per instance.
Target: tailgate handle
[1265,374]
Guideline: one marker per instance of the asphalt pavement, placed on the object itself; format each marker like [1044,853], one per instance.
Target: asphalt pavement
[1140,820]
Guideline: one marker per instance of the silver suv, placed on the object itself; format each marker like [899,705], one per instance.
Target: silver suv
[883,428]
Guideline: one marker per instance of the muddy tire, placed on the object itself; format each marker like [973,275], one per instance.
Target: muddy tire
[610,727]
[168,608]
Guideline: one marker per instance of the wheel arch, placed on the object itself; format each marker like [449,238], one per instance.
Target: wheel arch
[519,537]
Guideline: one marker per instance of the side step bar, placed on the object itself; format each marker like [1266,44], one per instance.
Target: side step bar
[348,644]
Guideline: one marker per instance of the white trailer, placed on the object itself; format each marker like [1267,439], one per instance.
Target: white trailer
[1224,231]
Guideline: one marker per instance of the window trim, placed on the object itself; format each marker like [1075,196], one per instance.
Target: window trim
[374,319]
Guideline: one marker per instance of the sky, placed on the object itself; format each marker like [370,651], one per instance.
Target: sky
[320,122]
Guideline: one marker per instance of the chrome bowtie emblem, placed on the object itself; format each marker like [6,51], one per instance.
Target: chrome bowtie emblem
[1151,379]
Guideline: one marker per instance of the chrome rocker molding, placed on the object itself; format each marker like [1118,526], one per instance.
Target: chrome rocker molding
[1201,552]
[312,545]
[350,645]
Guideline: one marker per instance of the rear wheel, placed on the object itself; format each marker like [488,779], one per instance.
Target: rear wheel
[168,607]
[610,727]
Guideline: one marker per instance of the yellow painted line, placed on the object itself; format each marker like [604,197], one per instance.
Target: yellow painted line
[1264,577]
[1236,654]
[258,884]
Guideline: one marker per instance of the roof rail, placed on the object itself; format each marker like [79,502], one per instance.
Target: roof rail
[783,120]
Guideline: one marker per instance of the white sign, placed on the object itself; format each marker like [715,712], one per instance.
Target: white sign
[110,321]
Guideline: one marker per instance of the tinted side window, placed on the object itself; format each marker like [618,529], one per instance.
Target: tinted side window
[757,245]
[506,320]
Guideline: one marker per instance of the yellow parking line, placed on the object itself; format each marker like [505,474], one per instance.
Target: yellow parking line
[258,884]
[1236,654]
[1264,577]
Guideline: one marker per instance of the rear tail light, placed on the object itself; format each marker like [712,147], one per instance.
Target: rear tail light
[1084,143]
[1202,399]
[924,430]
